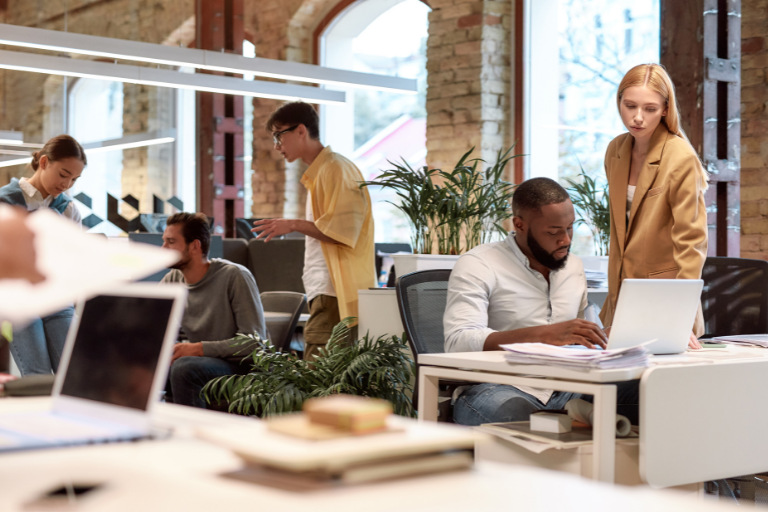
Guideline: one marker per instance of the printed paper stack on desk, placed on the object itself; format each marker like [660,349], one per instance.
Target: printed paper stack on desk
[749,340]
[596,278]
[576,357]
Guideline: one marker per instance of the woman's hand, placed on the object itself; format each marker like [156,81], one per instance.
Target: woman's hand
[693,342]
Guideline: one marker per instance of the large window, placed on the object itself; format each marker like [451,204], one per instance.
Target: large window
[375,127]
[574,68]
[128,121]
[104,101]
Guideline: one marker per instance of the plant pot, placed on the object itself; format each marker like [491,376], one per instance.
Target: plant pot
[407,263]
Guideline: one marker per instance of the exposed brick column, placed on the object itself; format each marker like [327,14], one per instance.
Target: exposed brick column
[468,65]
[754,126]
[267,21]
[134,179]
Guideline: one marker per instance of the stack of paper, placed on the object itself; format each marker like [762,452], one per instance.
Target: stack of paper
[596,278]
[750,340]
[576,357]
[76,265]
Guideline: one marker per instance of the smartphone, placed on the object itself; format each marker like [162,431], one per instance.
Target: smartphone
[66,497]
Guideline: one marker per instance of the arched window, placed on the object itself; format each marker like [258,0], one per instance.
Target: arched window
[386,37]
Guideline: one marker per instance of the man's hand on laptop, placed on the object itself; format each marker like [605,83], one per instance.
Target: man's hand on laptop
[186,350]
[577,331]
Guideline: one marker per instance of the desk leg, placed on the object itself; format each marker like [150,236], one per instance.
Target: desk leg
[604,434]
[428,388]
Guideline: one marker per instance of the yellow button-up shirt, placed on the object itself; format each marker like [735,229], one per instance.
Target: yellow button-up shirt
[342,211]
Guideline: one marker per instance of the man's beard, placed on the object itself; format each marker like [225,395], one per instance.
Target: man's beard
[545,258]
[183,262]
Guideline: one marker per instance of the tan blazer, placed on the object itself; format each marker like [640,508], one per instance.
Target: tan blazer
[666,234]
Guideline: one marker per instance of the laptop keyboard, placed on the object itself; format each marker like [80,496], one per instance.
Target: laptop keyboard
[51,428]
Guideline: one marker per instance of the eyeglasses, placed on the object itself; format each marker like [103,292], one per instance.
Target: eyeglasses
[276,135]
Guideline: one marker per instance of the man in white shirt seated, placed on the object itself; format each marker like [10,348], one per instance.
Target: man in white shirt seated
[525,289]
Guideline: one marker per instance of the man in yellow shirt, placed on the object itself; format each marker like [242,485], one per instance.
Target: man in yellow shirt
[339,254]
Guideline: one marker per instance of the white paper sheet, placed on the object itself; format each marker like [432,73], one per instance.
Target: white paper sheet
[76,265]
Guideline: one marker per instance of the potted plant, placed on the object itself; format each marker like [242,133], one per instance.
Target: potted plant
[449,212]
[280,382]
[590,199]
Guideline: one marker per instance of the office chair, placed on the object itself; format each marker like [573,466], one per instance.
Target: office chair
[735,296]
[286,308]
[235,250]
[277,265]
[421,298]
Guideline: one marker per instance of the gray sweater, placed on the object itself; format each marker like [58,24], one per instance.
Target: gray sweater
[223,303]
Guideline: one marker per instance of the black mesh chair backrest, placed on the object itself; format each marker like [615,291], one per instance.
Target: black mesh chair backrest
[735,296]
[421,298]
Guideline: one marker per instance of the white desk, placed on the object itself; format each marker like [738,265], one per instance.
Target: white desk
[685,379]
[181,474]
[492,367]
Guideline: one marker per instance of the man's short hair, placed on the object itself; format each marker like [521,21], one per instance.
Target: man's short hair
[534,193]
[194,226]
[293,113]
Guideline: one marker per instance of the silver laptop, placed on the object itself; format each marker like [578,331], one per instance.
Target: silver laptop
[112,371]
[655,309]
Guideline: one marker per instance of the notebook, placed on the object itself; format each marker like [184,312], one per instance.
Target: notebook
[112,371]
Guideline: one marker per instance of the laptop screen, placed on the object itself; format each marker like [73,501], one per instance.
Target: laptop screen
[116,350]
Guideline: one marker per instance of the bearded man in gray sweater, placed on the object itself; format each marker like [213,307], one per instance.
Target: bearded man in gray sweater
[223,301]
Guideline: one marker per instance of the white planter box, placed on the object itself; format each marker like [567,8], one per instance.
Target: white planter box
[407,263]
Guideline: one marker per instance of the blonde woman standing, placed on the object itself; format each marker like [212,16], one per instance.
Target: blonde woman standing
[656,185]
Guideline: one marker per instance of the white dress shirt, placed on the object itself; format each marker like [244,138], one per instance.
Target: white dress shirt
[35,201]
[317,279]
[493,288]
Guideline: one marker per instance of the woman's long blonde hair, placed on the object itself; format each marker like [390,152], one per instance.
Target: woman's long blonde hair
[656,78]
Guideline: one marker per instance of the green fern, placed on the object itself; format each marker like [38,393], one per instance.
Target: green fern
[279,383]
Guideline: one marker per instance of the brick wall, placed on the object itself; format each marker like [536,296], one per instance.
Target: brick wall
[32,103]
[468,65]
[754,127]
[468,96]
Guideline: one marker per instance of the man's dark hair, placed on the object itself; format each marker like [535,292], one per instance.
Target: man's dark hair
[293,113]
[194,226]
[534,193]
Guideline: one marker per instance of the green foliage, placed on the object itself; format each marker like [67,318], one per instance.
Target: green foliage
[592,207]
[458,209]
[279,383]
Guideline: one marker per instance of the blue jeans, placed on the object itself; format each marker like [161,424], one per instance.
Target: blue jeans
[496,403]
[189,374]
[37,347]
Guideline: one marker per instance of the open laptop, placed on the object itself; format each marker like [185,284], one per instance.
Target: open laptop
[114,365]
[655,309]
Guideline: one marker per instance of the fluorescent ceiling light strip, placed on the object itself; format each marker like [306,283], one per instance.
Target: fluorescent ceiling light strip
[15,161]
[165,78]
[22,145]
[54,40]
[131,141]
[11,138]
[129,145]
